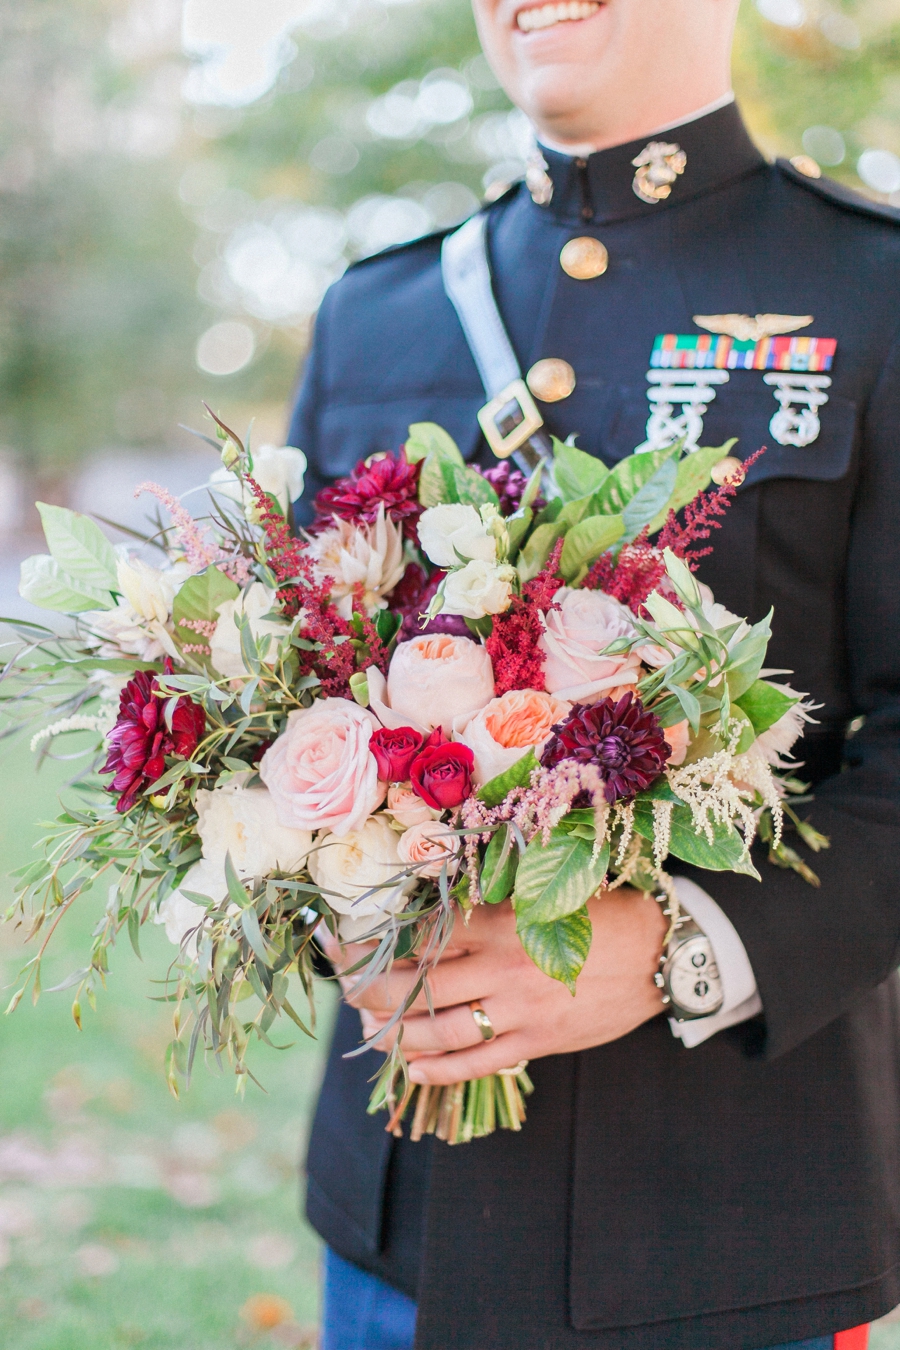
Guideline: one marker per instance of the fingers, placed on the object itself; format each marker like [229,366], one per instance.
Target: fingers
[453,1029]
[489,1057]
[452,983]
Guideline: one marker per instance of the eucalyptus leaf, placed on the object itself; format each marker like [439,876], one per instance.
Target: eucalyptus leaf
[79,546]
[558,878]
[559,949]
[43,582]
[498,871]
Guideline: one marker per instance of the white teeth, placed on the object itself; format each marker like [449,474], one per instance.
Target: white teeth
[545,16]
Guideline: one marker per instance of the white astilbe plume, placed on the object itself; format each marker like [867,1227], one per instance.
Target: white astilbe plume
[719,789]
[662,830]
[102,721]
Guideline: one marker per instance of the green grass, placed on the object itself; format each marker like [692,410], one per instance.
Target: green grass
[128,1218]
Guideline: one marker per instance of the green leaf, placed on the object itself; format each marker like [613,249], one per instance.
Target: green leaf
[538,549]
[764,705]
[559,949]
[586,541]
[427,438]
[657,792]
[558,878]
[652,498]
[471,488]
[199,600]
[517,775]
[43,582]
[746,657]
[517,527]
[498,871]
[689,705]
[725,854]
[79,546]
[629,476]
[694,476]
[576,473]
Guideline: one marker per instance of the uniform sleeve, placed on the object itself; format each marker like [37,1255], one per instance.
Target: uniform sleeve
[304,430]
[816,952]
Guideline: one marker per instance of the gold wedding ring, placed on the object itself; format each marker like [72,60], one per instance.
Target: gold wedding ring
[483,1022]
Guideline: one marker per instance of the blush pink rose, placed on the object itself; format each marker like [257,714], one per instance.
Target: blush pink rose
[436,677]
[510,726]
[430,847]
[575,635]
[407,806]
[678,738]
[321,772]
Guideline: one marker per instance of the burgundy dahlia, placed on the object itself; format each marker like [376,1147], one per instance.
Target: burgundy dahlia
[509,485]
[390,479]
[141,738]
[623,739]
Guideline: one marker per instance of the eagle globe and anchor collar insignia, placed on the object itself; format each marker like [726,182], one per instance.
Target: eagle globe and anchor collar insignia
[658,166]
[794,369]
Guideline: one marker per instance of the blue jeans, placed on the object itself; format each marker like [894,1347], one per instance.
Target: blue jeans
[363,1313]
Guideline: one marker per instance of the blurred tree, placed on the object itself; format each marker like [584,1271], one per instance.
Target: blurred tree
[167,227]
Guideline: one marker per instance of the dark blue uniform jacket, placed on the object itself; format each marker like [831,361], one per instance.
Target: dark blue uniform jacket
[746,1192]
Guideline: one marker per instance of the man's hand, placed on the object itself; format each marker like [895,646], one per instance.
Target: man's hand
[532,1014]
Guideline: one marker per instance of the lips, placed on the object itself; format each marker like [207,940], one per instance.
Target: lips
[548,16]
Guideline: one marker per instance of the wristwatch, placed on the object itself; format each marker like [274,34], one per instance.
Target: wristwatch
[688,974]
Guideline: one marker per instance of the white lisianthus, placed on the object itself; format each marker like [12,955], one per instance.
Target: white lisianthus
[348,868]
[184,918]
[150,592]
[278,471]
[478,589]
[370,556]
[242,822]
[225,644]
[453,531]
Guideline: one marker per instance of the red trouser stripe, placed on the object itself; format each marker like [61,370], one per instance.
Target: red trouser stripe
[855,1339]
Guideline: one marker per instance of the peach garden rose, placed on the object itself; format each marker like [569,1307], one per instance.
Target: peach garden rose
[501,733]
[435,678]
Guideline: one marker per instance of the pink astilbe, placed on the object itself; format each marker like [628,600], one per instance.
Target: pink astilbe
[702,516]
[536,809]
[197,550]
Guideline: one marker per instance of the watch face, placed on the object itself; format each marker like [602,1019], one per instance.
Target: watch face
[693,977]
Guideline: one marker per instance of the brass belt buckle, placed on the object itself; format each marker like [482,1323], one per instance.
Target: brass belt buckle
[510,419]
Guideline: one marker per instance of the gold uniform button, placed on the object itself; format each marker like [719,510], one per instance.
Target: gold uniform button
[584,258]
[806,164]
[551,380]
[728,470]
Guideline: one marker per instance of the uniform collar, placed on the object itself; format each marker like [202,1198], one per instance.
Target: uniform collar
[599,189]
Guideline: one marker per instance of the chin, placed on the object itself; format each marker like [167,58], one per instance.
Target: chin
[559,94]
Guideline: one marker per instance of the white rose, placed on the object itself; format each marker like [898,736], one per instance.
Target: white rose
[370,556]
[452,532]
[149,591]
[241,821]
[478,589]
[278,471]
[348,868]
[225,643]
[183,917]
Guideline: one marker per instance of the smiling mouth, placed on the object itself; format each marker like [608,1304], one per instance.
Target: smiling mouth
[548,16]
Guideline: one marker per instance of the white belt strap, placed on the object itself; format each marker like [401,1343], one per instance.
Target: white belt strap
[510,419]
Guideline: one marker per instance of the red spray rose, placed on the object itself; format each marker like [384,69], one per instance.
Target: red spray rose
[394,752]
[141,738]
[441,774]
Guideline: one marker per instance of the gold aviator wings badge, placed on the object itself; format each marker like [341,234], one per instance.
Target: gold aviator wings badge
[745,328]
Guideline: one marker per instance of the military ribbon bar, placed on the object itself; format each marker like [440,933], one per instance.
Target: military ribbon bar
[706,351]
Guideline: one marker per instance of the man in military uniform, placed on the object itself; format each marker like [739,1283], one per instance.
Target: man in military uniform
[734,1185]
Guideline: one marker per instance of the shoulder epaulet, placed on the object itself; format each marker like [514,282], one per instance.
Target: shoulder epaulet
[423,240]
[837,193]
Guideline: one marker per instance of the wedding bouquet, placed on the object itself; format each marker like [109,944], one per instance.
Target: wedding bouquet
[454,688]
